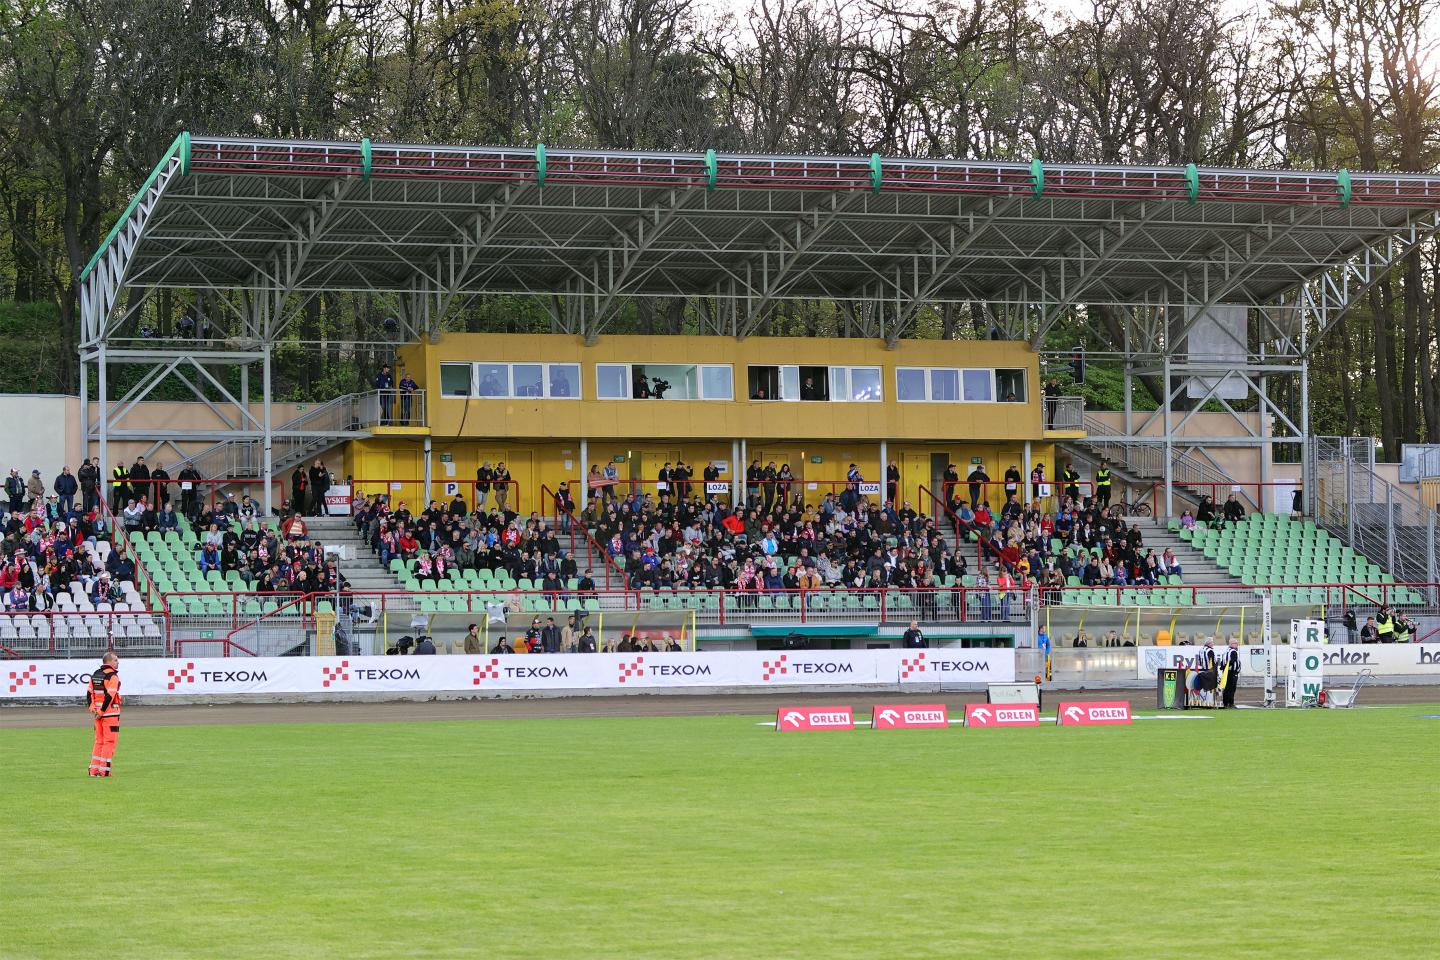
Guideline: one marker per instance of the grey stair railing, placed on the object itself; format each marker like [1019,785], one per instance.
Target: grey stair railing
[311,433]
[1145,460]
[1370,514]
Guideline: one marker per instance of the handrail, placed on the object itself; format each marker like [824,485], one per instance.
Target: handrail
[548,496]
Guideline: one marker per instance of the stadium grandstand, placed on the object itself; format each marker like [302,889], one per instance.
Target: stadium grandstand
[726,489]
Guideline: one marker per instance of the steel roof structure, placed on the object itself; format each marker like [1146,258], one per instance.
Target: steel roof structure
[268,224]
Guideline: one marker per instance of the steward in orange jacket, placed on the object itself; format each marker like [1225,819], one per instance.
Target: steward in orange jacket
[104,700]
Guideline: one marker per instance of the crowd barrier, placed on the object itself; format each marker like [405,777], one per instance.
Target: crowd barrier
[619,673]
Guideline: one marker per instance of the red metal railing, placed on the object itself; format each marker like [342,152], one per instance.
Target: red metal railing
[572,167]
[577,527]
[1219,492]
[442,491]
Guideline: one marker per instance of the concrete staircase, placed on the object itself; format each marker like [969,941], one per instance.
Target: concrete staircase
[360,567]
[1197,567]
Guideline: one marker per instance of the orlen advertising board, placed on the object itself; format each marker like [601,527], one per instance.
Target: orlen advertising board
[477,674]
[1341,659]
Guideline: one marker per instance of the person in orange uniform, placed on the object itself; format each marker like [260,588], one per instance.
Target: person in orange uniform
[104,701]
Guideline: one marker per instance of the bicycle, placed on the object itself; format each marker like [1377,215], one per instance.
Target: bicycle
[1134,508]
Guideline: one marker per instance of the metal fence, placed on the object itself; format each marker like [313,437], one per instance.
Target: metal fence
[1064,413]
[1370,514]
[81,633]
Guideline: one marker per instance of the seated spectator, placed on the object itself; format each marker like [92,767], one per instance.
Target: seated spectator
[130,516]
[168,521]
[1187,521]
[295,528]
[210,558]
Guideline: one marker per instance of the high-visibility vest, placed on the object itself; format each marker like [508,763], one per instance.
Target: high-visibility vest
[1385,627]
[120,477]
[103,697]
[1402,633]
[1102,477]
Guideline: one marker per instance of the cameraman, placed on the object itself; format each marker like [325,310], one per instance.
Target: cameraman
[658,387]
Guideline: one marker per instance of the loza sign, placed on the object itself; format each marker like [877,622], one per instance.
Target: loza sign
[1002,715]
[720,487]
[1097,714]
[869,489]
[795,719]
[909,716]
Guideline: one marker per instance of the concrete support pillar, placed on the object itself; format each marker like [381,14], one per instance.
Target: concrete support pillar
[267,443]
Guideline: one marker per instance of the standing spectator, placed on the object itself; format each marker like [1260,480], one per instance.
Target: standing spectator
[753,474]
[949,483]
[119,489]
[768,478]
[319,483]
[89,477]
[34,490]
[564,505]
[473,644]
[1052,402]
[1102,487]
[189,492]
[1037,480]
[408,386]
[1012,482]
[785,480]
[140,480]
[483,476]
[502,485]
[977,480]
[65,489]
[1072,482]
[550,636]
[892,483]
[161,479]
[914,639]
[299,489]
[385,383]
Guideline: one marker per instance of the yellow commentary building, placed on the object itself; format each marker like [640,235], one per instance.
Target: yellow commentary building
[551,407]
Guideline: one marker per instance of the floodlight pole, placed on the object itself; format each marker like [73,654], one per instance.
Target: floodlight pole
[103,467]
[267,442]
[1169,445]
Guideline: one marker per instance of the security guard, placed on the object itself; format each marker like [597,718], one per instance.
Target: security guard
[1072,482]
[119,489]
[1404,629]
[1102,484]
[1230,671]
[1385,626]
[103,699]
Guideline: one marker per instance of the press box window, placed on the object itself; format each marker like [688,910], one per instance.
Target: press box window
[565,380]
[910,384]
[455,379]
[529,379]
[978,385]
[612,381]
[1010,386]
[494,379]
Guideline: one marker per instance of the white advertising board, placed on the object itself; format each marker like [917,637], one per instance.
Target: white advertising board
[1337,659]
[571,671]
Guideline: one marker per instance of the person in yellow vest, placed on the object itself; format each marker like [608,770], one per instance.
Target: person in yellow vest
[1072,482]
[1102,484]
[119,488]
[1385,626]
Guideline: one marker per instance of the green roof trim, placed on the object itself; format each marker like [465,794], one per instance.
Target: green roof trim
[1037,178]
[182,140]
[1342,181]
[1192,182]
[540,164]
[712,169]
[184,152]
[877,172]
[367,159]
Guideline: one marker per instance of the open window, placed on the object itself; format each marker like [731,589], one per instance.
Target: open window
[1010,386]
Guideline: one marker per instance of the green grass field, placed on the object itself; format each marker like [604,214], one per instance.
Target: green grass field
[1248,835]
